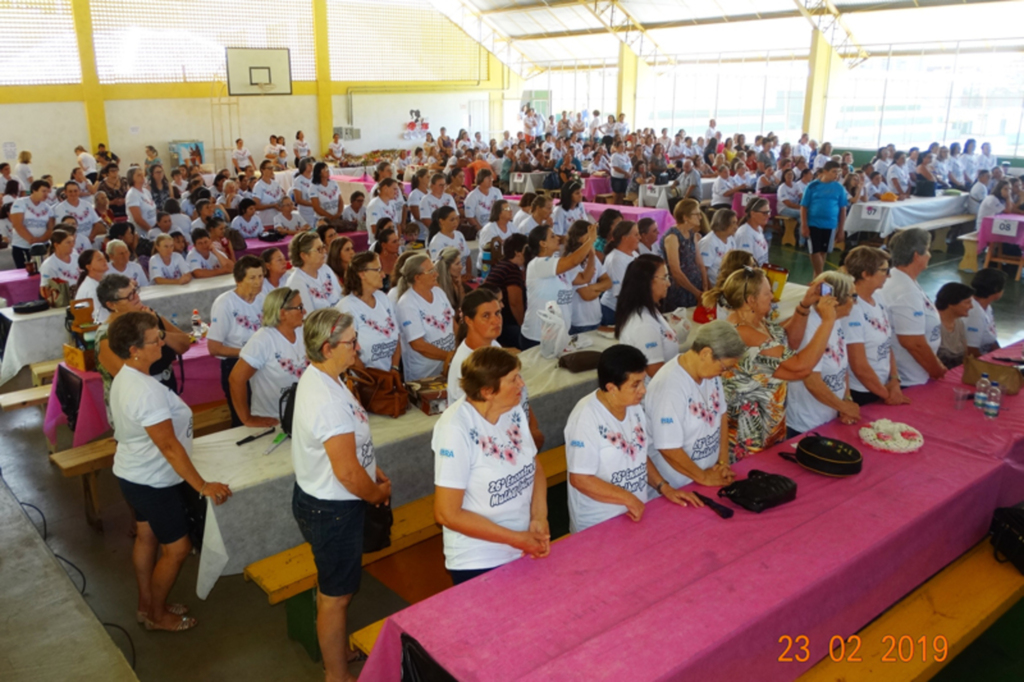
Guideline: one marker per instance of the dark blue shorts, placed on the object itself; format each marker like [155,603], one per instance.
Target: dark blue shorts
[620,185]
[164,509]
[334,529]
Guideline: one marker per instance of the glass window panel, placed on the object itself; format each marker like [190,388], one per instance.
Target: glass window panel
[39,45]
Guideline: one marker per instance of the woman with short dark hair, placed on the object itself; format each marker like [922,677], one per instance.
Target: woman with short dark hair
[508,277]
[153,466]
[638,321]
[954,304]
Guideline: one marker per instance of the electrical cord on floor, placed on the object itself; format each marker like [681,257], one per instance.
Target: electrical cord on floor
[74,567]
[130,642]
[41,515]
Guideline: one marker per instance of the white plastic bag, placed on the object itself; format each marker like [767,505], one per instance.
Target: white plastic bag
[554,332]
[679,320]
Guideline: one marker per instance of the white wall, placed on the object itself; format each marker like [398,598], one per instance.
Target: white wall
[51,131]
[381,117]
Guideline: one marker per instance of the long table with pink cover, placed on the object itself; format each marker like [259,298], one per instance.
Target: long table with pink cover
[1007,228]
[686,595]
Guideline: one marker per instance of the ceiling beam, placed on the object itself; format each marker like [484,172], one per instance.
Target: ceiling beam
[653,26]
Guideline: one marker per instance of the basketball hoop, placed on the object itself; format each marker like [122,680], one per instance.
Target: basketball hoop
[265,88]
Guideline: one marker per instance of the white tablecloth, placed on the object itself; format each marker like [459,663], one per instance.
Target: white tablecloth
[886,217]
[257,521]
[521,183]
[656,196]
[39,337]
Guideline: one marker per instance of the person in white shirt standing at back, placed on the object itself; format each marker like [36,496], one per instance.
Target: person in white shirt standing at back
[622,168]
[267,193]
[87,162]
[915,320]
[335,150]
[300,147]
[31,222]
[89,223]
[241,158]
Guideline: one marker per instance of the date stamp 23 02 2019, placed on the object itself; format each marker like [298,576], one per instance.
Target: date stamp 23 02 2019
[897,649]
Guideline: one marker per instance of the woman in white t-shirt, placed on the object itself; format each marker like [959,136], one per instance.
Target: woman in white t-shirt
[868,331]
[153,466]
[750,236]
[490,492]
[499,226]
[289,221]
[300,147]
[915,320]
[686,409]
[139,202]
[570,208]
[586,303]
[92,265]
[166,266]
[59,266]
[426,319]
[824,394]
[479,202]
[310,273]
[374,318]
[540,214]
[240,157]
[336,476]
[719,241]
[302,190]
[248,221]
[789,194]
[549,279]
[235,316]
[270,361]
[998,201]
[267,193]
[606,441]
[444,226]
[32,222]
[418,188]
[638,322]
[326,196]
[383,205]
[620,252]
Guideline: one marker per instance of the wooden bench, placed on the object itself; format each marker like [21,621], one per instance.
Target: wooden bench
[789,231]
[940,228]
[15,400]
[957,604]
[969,263]
[90,459]
[42,372]
[290,576]
[604,199]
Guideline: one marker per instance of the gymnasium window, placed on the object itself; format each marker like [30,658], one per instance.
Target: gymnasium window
[39,46]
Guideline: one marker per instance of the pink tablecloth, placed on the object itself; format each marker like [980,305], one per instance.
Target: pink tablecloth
[255,247]
[741,199]
[712,597]
[17,287]
[594,185]
[635,213]
[1008,222]
[202,385]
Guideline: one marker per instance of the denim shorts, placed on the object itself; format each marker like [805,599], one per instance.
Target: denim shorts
[334,529]
[164,509]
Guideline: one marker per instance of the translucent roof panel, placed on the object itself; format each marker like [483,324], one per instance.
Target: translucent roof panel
[546,21]
[746,36]
[600,47]
[958,22]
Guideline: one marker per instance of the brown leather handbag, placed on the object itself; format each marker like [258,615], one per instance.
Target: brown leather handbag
[380,392]
[1009,377]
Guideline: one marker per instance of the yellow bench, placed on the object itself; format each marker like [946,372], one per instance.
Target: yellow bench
[290,575]
[955,606]
[969,263]
[940,227]
[15,400]
[42,372]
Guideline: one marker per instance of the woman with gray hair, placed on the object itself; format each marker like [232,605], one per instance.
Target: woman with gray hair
[310,275]
[270,361]
[153,466]
[824,394]
[915,320]
[336,475]
[686,410]
[122,264]
[449,276]
[426,318]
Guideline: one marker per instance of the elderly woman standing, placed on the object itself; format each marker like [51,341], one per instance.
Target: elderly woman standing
[686,410]
[426,319]
[270,361]
[824,394]
[153,428]
[607,438]
[755,391]
[915,320]
[315,281]
[481,450]
[868,330]
[336,475]
[372,314]
[234,317]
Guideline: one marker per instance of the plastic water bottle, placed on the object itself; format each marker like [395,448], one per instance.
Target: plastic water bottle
[174,320]
[981,391]
[994,402]
[485,263]
[197,326]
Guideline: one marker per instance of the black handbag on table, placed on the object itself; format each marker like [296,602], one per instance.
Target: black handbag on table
[760,491]
[826,456]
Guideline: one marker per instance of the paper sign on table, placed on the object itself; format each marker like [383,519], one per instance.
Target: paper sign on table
[873,212]
[518,177]
[1005,227]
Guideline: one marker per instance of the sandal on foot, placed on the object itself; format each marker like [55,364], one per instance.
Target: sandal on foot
[356,656]
[176,609]
[182,625]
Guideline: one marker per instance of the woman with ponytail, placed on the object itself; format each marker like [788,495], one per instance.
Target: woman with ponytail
[449,276]
[444,232]
[619,253]
[93,265]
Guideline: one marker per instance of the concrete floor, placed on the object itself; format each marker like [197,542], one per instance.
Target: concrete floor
[240,635]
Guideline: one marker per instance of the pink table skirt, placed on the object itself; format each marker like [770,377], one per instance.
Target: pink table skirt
[255,247]
[202,385]
[825,564]
[17,287]
[1011,230]
[739,205]
[634,213]
[596,185]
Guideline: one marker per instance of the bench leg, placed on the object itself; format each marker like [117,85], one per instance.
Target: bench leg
[301,611]
[90,487]
[969,263]
[939,240]
[789,234]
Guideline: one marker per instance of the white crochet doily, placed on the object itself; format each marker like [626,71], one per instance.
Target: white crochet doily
[890,436]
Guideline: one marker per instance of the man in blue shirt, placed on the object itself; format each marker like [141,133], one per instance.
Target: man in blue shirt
[823,214]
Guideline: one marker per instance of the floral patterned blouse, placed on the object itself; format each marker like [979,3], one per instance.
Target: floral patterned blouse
[756,400]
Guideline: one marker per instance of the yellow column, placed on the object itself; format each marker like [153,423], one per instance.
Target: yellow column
[821,63]
[324,88]
[625,100]
[92,95]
